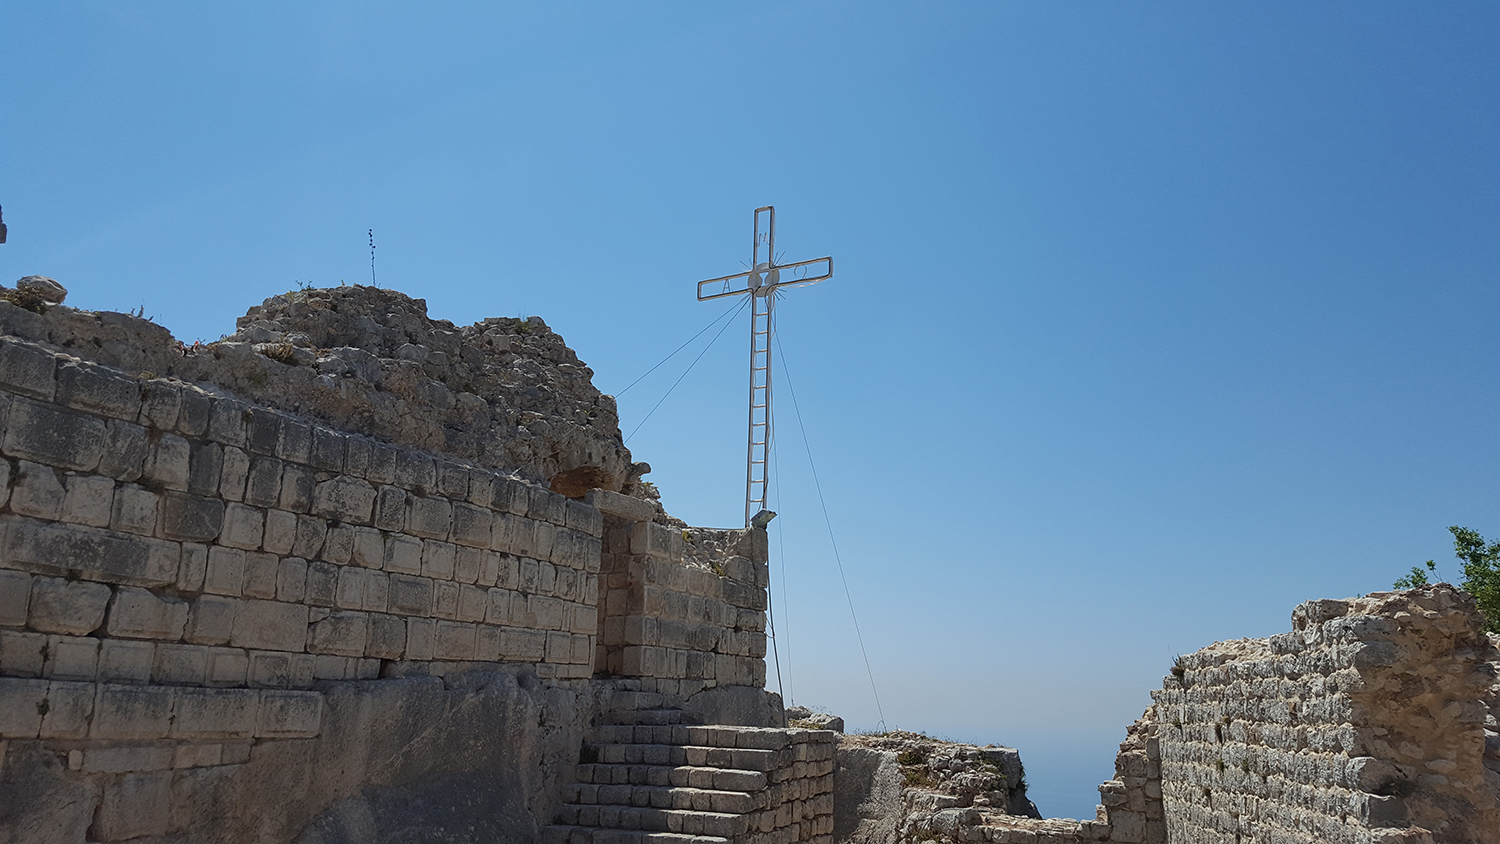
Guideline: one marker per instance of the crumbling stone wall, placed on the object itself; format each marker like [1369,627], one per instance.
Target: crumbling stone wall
[503,393]
[1365,723]
[302,596]
[682,608]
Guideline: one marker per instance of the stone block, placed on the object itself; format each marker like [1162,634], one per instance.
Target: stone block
[340,634]
[547,506]
[624,506]
[585,518]
[390,508]
[132,712]
[226,421]
[89,499]
[71,658]
[168,461]
[36,490]
[329,667]
[430,518]
[497,610]
[294,442]
[471,525]
[134,510]
[69,706]
[244,527]
[311,533]
[124,451]
[357,451]
[289,714]
[205,468]
[346,499]
[511,496]
[270,625]
[420,638]
[338,545]
[377,591]
[403,554]
[138,614]
[263,483]
[91,553]
[445,599]
[518,645]
[28,370]
[234,478]
[438,560]
[382,464]
[262,430]
[15,597]
[128,758]
[454,641]
[559,647]
[161,401]
[322,584]
[125,661]
[225,574]
[523,537]
[545,536]
[22,654]
[189,517]
[411,595]
[193,412]
[291,580]
[387,637]
[197,755]
[98,389]
[453,479]
[281,532]
[368,549]
[466,564]
[276,670]
[180,665]
[261,571]
[192,568]
[134,806]
[216,713]
[227,667]
[22,704]
[415,471]
[472,603]
[69,607]
[487,643]
[350,592]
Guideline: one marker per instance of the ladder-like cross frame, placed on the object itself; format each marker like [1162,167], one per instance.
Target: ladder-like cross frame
[764,278]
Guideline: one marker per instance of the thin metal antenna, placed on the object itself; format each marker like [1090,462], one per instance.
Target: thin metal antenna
[372,259]
[762,282]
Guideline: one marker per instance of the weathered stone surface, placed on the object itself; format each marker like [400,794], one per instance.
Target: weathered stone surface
[71,607]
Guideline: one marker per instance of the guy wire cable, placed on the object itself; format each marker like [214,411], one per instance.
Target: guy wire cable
[829,522]
[711,324]
[690,367]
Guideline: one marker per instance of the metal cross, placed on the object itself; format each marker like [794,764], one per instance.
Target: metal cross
[762,281]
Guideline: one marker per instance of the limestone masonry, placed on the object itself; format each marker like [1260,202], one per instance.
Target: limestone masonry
[356,575]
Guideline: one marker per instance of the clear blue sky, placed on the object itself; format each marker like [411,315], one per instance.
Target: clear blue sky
[1150,320]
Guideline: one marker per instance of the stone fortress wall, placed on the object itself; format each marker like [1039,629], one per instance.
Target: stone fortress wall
[226,618]
[1376,719]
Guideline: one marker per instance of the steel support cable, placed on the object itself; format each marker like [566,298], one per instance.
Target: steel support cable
[715,321]
[690,366]
[771,597]
[829,522]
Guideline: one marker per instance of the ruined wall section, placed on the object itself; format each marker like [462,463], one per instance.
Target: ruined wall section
[1365,723]
[683,608]
[503,393]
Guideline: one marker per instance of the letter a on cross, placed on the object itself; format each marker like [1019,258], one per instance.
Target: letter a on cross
[762,283]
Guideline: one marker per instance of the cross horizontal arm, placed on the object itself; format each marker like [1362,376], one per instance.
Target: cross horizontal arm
[730,285]
[802,273]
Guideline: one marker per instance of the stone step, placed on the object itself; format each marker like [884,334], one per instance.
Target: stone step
[561,834]
[650,716]
[675,755]
[679,776]
[662,797]
[752,738]
[646,819]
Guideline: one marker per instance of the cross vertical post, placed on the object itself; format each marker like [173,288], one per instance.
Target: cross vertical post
[762,283]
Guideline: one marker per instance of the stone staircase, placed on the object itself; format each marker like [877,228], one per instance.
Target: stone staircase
[648,775]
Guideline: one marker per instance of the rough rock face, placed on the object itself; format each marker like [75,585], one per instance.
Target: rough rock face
[944,788]
[504,393]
